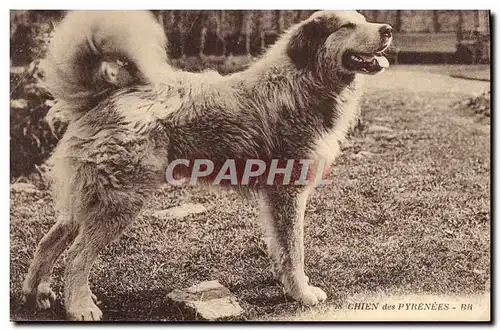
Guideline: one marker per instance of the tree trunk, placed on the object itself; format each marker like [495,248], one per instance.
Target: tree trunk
[435,20]
[399,14]
[220,18]
[278,20]
[298,15]
[460,25]
[248,32]
[203,38]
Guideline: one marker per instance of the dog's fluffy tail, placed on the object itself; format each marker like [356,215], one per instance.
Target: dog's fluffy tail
[85,39]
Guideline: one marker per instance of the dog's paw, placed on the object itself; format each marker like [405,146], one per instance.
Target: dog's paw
[84,310]
[320,294]
[308,295]
[42,297]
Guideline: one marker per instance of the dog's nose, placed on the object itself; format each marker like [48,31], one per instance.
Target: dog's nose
[386,31]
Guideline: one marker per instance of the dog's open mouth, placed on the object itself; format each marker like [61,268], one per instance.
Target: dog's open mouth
[364,63]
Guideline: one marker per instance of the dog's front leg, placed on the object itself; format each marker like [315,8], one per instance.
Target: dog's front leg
[283,211]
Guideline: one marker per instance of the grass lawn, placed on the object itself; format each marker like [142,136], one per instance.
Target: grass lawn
[409,212]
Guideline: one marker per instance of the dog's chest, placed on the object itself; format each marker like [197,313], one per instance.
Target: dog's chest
[326,146]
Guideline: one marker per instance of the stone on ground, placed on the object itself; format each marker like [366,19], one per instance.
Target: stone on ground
[363,154]
[374,128]
[207,300]
[179,211]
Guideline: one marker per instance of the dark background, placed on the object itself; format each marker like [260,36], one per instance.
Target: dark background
[241,32]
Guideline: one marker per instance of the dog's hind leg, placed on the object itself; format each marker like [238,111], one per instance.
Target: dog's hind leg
[101,224]
[283,211]
[36,286]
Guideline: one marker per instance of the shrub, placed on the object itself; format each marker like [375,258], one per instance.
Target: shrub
[31,140]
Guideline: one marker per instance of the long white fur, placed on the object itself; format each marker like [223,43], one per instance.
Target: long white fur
[83,35]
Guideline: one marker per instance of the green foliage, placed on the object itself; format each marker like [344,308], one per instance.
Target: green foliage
[31,140]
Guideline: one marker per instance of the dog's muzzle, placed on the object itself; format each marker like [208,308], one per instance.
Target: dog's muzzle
[369,63]
[364,63]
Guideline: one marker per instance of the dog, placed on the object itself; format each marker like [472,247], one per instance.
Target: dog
[296,102]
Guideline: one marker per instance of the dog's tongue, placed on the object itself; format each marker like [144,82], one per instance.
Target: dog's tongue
[379,60]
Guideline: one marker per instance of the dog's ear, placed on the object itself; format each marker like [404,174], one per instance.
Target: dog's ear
[305,42]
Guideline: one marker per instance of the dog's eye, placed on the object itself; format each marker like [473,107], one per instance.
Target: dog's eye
[122,62]
[348,26]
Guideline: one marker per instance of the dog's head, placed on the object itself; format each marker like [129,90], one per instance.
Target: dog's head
[340,42]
